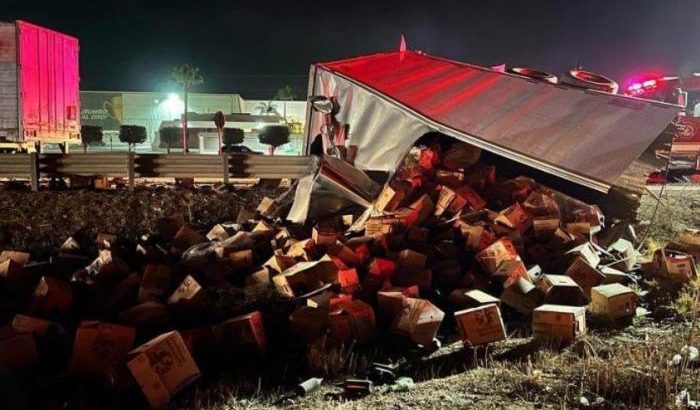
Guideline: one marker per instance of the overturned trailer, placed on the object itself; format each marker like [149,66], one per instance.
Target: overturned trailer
[594,145]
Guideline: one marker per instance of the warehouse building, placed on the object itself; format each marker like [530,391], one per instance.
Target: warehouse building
[156,110]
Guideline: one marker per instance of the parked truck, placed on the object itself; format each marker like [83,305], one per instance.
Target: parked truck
[39,87]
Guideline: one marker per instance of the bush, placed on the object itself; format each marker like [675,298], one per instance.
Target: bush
[232,136]
[274,136]
[170,136]
[90,135]
[132,134]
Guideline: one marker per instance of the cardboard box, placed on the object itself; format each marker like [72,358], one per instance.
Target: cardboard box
[156,282]
[480,325]
[328,300]
[509,271]
[184,239]
[465,299]
[420,211]
[349,280]
[545,228]
[353,320]
[324,236]
[243,330]
[38,327]
[383,225]
[99,347]
[419,319]
[280,263]
[162,367]
[241,259]
[494,254]
[561,290]
[476,237]
[522,296]
[585,275]
[267,207]
[381,267]
[51,297]
[145,315]
[562,324]
[413,277]
[309,323]
[305,277]
[189,294]
[346,254]
[218,233]
[303,250]
[390,198]
[586,252]
[515,217]
[411,259]
[12,270]
[626,251]
[17,350]
[259,277]
[168,226]
[390,301]
[613,301]
[613,275]
[542,205]
[674,265]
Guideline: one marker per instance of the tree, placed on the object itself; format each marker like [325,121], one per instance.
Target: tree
[285,94]
[132,135]
[274,136]
[267,108]
[170,136]
[90,135]
[232,136]
[186,77]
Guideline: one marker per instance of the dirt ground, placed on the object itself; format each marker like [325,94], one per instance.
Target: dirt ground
[610,368]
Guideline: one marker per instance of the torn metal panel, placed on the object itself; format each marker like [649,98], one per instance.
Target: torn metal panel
[336,186]
[586,137]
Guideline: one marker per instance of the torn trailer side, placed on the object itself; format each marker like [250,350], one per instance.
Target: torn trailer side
[593,145]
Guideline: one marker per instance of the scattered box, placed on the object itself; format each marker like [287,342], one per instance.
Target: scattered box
[305,277]
[613,301]
[464,299]
[561,290]
[560,323]
[494,254]
[420,320]
[353,320]
[480,325]
[51,297]
[246,330]
[162,367]
[99,347]
[522,296]
[585,275]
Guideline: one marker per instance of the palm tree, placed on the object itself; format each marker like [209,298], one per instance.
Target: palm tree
[285,94]
[186,76]
[267,108]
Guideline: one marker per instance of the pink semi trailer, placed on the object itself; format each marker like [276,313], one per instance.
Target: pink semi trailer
[39,87]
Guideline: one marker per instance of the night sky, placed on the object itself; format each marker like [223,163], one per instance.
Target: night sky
[255,47]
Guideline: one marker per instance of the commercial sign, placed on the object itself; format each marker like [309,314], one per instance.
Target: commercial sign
[102,109]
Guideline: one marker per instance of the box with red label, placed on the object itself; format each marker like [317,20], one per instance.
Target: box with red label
[162,367]
[613,301]
[494,254]
[391,197]
[324,236]
[561,290]
[99,347]
[243,330]
[480,325]
[347,255]
[559,323]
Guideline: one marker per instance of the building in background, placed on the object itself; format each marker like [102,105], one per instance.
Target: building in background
[155,110]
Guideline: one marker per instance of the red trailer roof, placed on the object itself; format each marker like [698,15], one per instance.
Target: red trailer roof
[585,136]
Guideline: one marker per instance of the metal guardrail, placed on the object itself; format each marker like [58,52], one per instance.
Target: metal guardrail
[132,165]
